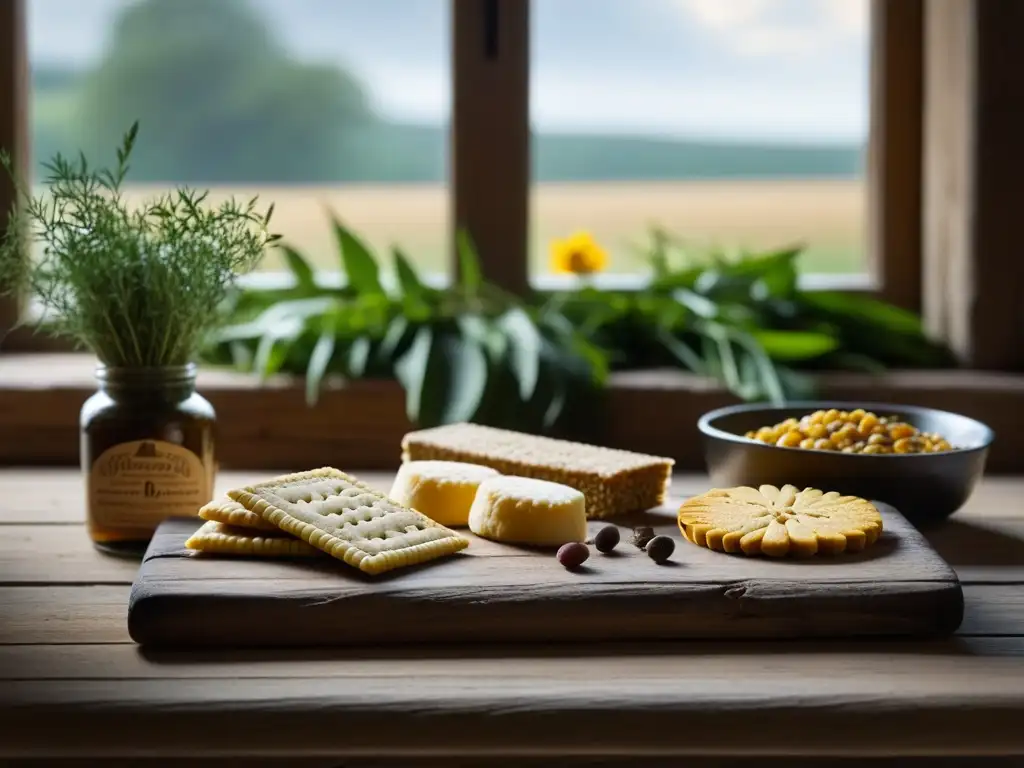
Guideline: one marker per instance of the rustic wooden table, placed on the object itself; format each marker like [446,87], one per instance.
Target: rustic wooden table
[73,685]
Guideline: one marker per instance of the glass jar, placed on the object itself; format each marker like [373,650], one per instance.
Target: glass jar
[147,453]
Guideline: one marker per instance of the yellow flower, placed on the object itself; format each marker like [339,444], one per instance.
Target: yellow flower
[578,254]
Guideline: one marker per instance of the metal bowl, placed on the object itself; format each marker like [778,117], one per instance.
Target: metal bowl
[924,487]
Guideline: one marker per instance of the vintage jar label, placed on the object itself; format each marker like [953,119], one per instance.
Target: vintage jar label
[141,483]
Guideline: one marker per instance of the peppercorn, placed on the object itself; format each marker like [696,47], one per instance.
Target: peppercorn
[607,538]
[573,554]
[642,535]
[660,548]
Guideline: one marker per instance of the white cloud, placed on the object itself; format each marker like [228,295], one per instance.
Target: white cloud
[725,14]
[851,17]
[790,28]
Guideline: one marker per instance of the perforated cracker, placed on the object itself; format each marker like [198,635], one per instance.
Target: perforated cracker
[232,513]
[349,520]
[218,538]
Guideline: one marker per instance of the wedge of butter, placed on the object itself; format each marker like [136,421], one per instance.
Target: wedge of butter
[441,490]
[523,510]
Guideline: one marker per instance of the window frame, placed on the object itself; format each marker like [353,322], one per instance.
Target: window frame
[490,182]
[943,155]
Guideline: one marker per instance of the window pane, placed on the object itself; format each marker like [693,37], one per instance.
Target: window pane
[312,104]
[729,123]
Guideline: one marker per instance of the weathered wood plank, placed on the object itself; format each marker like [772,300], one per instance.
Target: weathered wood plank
[973,161]
[58,554]
[68,615]
[63,615]
[361,424]
[993,624]
[120,661]
[961,705]
[495,592]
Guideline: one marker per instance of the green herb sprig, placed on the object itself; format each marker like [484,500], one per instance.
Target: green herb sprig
[138,285]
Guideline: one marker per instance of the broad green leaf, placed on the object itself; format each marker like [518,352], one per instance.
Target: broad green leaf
[524,346]
[726,356]
[701,306]
[473,326]
[464,365]
[556,407]
[241,355]
[795,345]
[411,371]
[305,278]
[319,360]
[770,383]
[864,310]
[681,351]
[392,345]
[410,283]
[358,262]
[470,276]
[359,356]
[274,345]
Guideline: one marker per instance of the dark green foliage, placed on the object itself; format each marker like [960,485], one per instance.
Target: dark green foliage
[472,352]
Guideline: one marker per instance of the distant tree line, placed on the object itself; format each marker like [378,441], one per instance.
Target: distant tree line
[219,100]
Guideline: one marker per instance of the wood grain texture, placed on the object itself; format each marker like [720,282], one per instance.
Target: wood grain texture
[490,168]
[13,125]
[973,163]
[964,706]
[121,661]
[61,615]
[494,592]
[66,615]
[58,554]
[896,148]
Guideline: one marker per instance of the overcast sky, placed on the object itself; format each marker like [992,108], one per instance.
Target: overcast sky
[749,69]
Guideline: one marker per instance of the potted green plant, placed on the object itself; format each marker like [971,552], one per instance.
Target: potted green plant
[140,286]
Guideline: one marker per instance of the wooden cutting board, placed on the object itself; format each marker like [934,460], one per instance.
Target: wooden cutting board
[495,592]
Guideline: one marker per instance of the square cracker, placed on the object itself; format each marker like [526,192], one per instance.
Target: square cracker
[221,539]
[234,514]
[349,520]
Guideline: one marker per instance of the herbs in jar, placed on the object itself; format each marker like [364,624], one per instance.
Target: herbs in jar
[141,287]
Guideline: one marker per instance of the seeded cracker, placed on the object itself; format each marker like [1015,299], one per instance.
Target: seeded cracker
[220,539]
[349,520]
[232,513]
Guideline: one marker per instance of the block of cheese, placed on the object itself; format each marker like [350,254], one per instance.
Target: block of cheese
[441,490]
[524,510]
[614,482]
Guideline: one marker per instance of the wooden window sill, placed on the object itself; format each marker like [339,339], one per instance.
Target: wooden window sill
[361,423]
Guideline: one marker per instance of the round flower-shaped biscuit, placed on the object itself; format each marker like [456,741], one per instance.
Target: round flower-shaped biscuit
[779,521]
